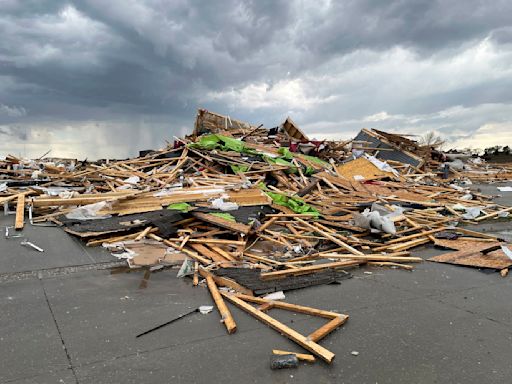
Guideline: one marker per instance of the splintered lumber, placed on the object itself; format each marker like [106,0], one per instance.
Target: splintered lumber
[481,255]
[310,269]
[293,307]
[293,335]
[327,328]
[223,223]
[330,237]
[406,245]
[212,241]
[143,234]
[201,249]
[131,200]
[226,282]
[193,255]
[223,253]
[488,216]
[20,212]
[225,314]
[391,264]
[195,280]
[474,233]
[407,259]
[267,224]
[80,200]
[421,234]
[301,356]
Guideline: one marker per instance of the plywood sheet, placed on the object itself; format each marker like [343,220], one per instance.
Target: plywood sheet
[469,254]
[362,167]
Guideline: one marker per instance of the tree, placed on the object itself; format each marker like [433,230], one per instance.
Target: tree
[432,140]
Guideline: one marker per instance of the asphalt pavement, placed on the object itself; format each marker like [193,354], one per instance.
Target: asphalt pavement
[64,318]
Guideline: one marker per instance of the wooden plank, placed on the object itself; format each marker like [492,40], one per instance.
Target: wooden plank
[143,234]
[291,307]
[421,234]
[301,356]
[324,330]
[225,314]
[407,245]
[188,252]
[390,264]
[473,257]
[195,279]
[493,214]
[204,251]
[225,282]
[310,269]
[223,223]
[267,224]
[293,335]
[407,259]
[330,237]
[20,213]
[223,253]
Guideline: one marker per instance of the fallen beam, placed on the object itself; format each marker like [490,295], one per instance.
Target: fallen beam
[293,335]
[20,213]
[225,314]
[310,269]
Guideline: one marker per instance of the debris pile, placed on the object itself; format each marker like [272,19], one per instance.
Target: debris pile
[253,211]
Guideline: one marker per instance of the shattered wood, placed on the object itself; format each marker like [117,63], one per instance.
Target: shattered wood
[260,210]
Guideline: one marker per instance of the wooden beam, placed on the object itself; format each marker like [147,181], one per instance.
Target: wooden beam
[301,356]
[406,259]
[310,269]
[324,330]
[409,237]
[225,282]
[293,335]
[225,314]
[330,237]
[291,307]
[20,213]
[493,214]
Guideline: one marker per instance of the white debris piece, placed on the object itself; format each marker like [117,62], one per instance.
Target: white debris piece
[224,205]
[378,219]
[467,196]
[382,165]
[32,245]
[205,309]
[279,295]
[472,213]
[187,268]
[505,189]
[89,212]
[506,251]
[132,180]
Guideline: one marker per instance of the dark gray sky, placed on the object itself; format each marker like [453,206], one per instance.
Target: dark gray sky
[106,78]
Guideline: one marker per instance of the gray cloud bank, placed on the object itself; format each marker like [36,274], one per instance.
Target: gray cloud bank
[95,78]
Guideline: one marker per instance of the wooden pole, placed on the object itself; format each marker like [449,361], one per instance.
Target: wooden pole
[20,213]
[225,314]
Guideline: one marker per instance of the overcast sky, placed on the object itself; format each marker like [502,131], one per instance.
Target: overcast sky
[99,78]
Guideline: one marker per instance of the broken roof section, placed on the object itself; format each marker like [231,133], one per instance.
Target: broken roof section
[211,122]
[293,131]
[389,146]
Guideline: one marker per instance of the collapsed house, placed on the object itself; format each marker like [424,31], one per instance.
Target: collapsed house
[248,211]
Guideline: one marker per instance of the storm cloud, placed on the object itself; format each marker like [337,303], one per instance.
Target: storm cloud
[94,78]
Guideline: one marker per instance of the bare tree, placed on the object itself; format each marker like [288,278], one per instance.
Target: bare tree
[432,140]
